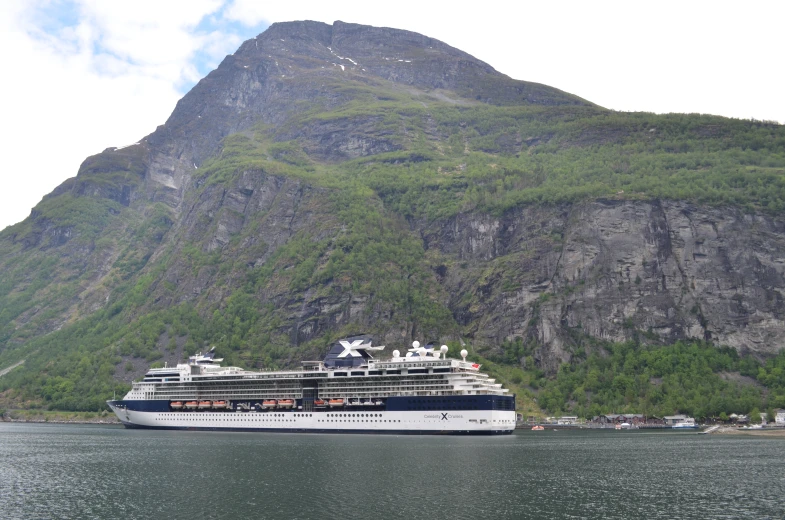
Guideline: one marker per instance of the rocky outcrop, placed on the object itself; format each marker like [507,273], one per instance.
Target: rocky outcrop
[615,269]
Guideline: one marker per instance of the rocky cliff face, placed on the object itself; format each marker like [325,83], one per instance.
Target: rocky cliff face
[282,177]
[615,269]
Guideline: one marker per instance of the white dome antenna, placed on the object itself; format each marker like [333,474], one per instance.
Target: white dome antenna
[443,350]
[396,354]
[416,344]
[464,353]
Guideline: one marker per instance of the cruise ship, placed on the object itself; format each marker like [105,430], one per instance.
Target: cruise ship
[420,392]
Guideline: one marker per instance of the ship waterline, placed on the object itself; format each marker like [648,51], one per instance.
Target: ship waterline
[421,392]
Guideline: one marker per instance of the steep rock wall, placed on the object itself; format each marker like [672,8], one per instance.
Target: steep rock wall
[612,269]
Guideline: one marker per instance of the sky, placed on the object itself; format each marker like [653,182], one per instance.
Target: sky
[80,76]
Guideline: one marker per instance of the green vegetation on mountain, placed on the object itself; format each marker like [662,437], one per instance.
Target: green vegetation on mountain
[485,161]
[694,378]
[337,215]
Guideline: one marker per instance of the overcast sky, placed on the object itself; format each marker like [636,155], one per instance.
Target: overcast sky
[82,75]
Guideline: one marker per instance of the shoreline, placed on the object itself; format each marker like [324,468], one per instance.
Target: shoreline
[776,431]
[55,417]
[77,421]
[763,432]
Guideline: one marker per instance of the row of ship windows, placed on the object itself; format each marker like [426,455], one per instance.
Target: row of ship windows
[328,386]
[244,385]
[339,382]
[366,388]
[391,372]
[207,415]
[266,418]
[447,407]
[447,403]
[233,419]
[359,420]
[257,381]
[278,417]
[263,418]
[354,415]
[434,389]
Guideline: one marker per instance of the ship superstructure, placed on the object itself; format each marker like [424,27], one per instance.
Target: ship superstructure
[422,391]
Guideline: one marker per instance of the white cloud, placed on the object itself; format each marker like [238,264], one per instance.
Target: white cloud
[106,81]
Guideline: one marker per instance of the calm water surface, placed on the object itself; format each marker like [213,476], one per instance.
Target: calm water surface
[58,471]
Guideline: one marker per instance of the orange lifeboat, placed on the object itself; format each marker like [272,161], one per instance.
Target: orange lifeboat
[335,402]
[204,405]
[219,404]
[176,405]
[285,403]
[319,402]
[269,403]
[191,405]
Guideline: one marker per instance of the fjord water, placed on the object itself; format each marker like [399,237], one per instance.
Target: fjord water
[98,471]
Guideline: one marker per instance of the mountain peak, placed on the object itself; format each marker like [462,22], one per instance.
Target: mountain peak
[294,66]
[399,56]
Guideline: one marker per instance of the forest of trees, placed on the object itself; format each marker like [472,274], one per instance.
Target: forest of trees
[695,378]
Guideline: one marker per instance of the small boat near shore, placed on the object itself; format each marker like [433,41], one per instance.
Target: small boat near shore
[538,428]
[687,424]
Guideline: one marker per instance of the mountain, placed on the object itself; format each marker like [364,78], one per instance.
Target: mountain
[331,179]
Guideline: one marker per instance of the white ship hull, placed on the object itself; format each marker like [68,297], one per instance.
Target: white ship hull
[431,422]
